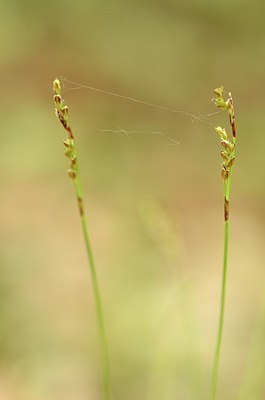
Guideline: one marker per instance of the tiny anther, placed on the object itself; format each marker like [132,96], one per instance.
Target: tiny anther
[221,132]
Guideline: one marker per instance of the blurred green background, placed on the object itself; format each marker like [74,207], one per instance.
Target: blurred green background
[155,210]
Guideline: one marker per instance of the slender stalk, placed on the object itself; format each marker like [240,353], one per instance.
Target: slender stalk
[97,297]
[74,173]
[221,315]
[228,155]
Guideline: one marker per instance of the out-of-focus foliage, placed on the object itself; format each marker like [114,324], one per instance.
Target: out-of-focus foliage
[154,208]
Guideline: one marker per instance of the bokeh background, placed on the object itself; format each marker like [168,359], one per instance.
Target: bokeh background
[153,194]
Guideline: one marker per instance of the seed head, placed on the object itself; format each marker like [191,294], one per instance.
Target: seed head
[228,153]
[61,111]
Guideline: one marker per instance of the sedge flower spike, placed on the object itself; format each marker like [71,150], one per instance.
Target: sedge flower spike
[228,156]
[228,152]
[61,111]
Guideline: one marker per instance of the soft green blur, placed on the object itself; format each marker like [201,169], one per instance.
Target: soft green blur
[154,208]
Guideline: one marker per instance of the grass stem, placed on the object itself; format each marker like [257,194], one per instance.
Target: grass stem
[221,316]
[228,155]
[97,297]
[74,174]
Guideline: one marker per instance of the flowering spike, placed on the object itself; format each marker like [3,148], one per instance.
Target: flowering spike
[229,145]
[228,156]
[61,111]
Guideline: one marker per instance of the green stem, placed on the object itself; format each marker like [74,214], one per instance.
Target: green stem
[216,361]
[74,174]
[99,310]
